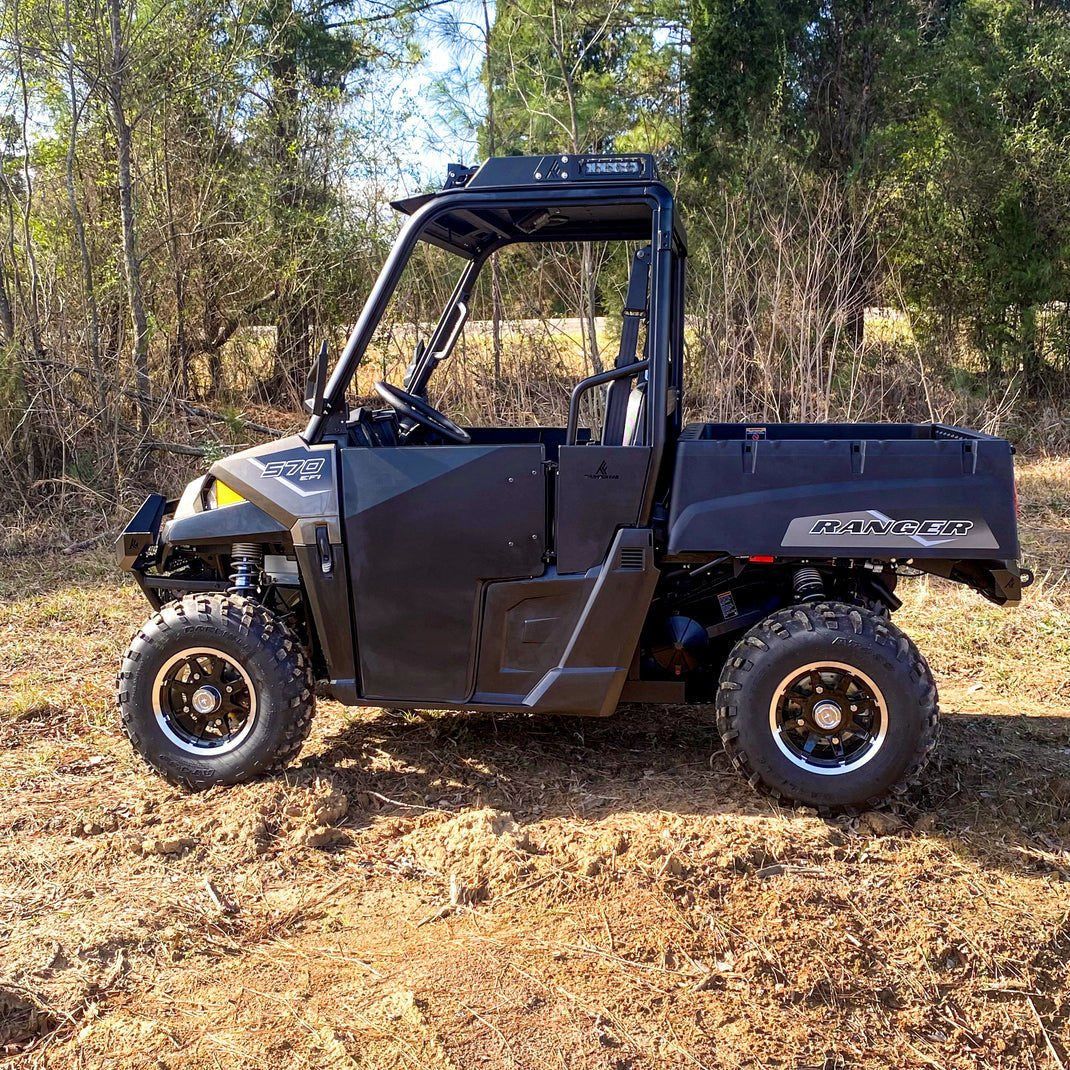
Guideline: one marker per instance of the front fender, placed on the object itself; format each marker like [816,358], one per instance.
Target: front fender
[243,522]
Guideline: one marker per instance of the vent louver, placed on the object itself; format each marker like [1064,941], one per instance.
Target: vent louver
[632,558]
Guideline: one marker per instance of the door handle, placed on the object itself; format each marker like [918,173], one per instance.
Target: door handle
[323,545]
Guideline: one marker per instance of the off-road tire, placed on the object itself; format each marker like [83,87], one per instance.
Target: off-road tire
[802,635]
[277,665]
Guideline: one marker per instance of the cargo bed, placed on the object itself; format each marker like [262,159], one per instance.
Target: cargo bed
[871,491]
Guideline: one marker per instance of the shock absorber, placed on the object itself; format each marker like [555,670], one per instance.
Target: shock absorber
[247,562]
[808,584]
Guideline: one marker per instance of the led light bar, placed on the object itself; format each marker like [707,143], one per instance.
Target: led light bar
[612,165]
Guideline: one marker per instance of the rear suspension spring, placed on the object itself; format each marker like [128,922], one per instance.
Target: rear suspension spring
[808,584]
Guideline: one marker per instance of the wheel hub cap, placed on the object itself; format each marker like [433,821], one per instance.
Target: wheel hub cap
[206,699]
[827,715]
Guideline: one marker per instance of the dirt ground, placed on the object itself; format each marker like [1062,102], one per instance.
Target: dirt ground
[454,891]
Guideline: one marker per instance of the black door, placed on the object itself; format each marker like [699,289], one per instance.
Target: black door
[599,489]
[426,527]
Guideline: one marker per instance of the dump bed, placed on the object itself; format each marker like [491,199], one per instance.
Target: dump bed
[876,491]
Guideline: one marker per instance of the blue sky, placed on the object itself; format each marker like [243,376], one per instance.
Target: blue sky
[427,140]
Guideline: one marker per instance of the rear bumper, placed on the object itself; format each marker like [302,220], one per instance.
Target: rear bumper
[999,581]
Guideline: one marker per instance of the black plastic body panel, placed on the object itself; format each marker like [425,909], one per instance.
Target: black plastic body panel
[593,667]
[562,644]
[922,491]
[243,522]
[526,626]
[599,489]
[425,528]
[327,594]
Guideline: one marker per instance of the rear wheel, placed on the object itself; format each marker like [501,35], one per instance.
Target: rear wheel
[829,705]
[215,690]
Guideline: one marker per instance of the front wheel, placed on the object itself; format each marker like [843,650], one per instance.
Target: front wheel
[215,690]
[829,705]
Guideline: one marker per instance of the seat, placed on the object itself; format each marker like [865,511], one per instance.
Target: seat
[635,416]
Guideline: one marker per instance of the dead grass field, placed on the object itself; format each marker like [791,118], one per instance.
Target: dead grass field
[454,892]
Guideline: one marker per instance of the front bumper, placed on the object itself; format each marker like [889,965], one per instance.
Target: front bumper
[141,535]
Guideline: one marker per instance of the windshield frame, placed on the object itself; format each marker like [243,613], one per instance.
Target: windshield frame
[653,195]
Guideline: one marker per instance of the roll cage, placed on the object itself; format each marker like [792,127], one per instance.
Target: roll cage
[530,199]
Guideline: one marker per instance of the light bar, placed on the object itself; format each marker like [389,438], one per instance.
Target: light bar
[607,165]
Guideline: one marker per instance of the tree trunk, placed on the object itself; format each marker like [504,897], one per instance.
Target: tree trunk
[589,305]
[7,316]
[88,284]
[131,264]
[31,303]
[1032,359]
[182,348]
[492,148]
[292,344]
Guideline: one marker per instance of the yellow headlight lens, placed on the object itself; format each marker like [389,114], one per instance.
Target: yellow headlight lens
[225,495]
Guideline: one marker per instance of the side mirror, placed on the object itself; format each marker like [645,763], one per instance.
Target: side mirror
[316,383]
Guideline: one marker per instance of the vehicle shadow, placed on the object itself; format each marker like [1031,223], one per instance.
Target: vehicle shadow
[996,783]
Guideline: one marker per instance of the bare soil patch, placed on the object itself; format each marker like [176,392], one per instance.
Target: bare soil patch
[454,891]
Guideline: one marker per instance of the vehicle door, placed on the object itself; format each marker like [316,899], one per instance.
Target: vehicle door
[600,485]
[426,528]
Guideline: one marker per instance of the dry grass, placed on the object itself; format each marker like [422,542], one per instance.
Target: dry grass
[452,892]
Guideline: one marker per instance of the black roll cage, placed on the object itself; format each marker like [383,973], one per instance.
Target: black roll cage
[664,331]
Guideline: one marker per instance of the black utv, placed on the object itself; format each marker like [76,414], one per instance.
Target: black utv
[404,561]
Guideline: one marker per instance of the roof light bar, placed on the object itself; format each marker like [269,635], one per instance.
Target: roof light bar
[612,165]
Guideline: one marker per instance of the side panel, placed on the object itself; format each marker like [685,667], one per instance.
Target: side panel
[844,498]
[288,479]
[243,522]
[326,582]
[599,489]
[593,667]
[526,626]
[425,528]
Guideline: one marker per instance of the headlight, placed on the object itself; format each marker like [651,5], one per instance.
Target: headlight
[219,494]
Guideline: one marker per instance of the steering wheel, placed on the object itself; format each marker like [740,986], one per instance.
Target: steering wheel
[417,410]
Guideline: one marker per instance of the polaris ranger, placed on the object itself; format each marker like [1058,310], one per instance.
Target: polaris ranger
[405,561]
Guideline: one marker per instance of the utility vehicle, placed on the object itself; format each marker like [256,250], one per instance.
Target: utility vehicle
[401,560]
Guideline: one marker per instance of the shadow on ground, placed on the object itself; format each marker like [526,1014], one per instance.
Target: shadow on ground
[998,785]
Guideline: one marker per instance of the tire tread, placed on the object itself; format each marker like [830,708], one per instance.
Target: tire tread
[251,621]
[833,617]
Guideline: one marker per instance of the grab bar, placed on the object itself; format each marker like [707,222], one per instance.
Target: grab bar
[581,388]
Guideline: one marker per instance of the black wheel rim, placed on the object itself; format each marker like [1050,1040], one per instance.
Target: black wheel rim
[204,701]
[828,717]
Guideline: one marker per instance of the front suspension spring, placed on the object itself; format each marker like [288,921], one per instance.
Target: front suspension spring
[247,563]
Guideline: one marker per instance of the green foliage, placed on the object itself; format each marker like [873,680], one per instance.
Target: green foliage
[742,76]
[926,147]
[585,75]
[981,173]
[956,119]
